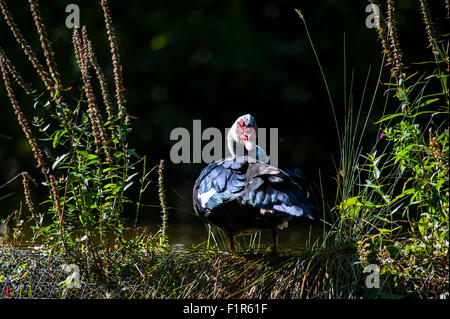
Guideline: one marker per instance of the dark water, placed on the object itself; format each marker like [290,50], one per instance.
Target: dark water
[184,227]
[297,235]
[195,233]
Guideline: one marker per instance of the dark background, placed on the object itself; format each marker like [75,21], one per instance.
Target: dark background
[214,61]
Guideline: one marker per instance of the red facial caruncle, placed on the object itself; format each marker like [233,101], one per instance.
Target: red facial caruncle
[246,134]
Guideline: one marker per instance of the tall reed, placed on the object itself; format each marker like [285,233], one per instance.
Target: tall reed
[88,164]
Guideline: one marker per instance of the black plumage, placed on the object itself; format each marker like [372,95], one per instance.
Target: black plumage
[244,196]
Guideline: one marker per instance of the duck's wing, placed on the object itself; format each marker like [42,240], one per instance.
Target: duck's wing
[272,189]
[220,182]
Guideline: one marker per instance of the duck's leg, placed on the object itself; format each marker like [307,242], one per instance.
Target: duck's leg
[275,236]
[275,239]
[230,241]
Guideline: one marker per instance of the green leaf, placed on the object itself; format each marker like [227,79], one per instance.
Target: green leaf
[390,116]
[369,204]
[350,202]
[428,102]
[350,206]
[127,186]
[374,186]
[59,159]
[6,196]
[46,128]
[376,172]
[423,112]
[393,251]
[87,155]
[131,176]
[134,154]
[383,219]
[400,155]
[58,136]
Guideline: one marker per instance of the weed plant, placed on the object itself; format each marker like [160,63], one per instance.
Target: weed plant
[391,206]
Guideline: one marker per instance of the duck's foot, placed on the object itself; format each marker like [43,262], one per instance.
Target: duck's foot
[274,250]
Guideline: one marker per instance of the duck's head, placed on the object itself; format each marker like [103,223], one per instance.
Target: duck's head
[244,131]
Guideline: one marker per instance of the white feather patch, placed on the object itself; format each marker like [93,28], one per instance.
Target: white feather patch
[204,197]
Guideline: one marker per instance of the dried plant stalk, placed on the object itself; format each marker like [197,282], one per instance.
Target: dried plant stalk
[429,25]
[80,55]
[12,70]
[23,123]
[162,200]
[397,55]
[387,33]
[26,190]
[101,78]
[56,87]
[98,130]
[383,34]
[117,68]
[46,79]
[45,43]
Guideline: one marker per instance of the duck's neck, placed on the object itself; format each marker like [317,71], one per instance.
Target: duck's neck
[258,153]
[261,155]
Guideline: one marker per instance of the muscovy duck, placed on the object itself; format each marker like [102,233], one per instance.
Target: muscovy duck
[243,194]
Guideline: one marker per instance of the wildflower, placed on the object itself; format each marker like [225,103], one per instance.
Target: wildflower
[21,118]
[45,43]
[387,32]
[55,194]
[26,190]
[8,292]
[13,72]
[25,46]
[162,198]
[117,68]
[98,130]
[429,26]
[100,75]
[397,55]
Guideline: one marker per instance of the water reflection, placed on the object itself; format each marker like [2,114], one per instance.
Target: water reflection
[195,233]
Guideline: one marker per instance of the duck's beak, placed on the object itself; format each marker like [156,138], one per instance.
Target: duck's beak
[249,145]
[249,138]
